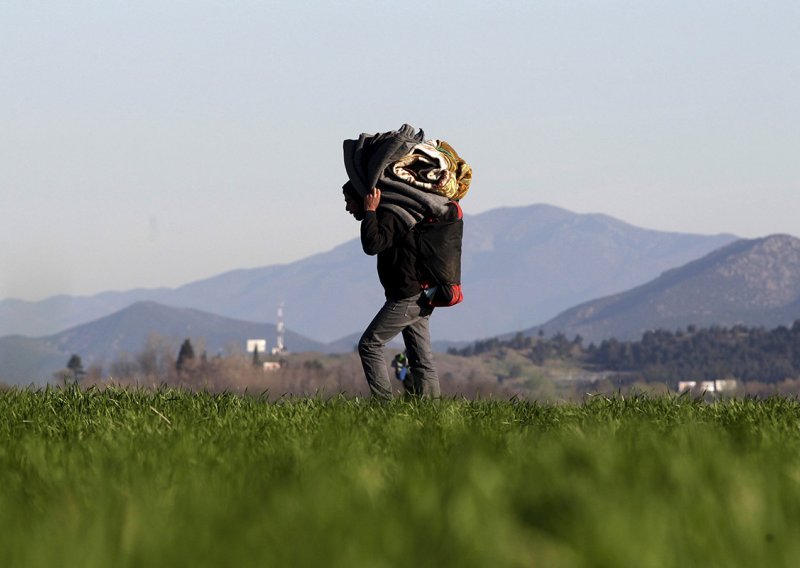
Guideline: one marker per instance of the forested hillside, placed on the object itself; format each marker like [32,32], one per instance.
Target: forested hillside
[749,354]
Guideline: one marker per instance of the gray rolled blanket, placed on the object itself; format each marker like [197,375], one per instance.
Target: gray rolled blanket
[366,161]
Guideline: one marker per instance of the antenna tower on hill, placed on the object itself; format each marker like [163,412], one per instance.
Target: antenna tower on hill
[279,329]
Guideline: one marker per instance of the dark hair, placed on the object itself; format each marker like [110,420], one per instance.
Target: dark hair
[350,191]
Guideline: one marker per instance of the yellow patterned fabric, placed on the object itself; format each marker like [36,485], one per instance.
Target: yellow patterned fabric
[460,169]
[434,166]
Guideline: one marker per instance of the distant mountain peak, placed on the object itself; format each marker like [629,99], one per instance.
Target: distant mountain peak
[769,268]
[750,281]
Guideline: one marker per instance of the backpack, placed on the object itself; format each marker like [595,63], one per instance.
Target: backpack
[438,243]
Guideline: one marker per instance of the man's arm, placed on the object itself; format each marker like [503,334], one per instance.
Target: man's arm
[376,236]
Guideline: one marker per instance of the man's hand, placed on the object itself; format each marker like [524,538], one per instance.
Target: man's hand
[372,199]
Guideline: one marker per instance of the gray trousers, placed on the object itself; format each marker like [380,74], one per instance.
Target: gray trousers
[409,317]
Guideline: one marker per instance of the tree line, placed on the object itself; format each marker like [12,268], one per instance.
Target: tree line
[714,353]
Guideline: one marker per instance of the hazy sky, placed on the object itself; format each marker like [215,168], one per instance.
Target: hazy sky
[153,143]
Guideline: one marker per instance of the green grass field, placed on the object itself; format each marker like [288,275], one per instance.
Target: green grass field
[171,478]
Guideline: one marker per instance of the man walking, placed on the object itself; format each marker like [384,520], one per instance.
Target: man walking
[405,310]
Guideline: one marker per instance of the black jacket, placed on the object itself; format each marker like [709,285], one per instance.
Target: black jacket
[384,234]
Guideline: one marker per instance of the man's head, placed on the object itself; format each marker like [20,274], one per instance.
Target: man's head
[354,203]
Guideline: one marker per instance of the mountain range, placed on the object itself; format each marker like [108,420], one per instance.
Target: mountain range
[520,266]
[754,282]
[126,333]
[125,330]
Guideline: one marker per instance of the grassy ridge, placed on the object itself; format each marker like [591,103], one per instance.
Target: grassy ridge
[172,478]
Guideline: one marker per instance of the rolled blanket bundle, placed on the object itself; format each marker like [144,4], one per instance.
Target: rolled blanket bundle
[416,178]
[434,166]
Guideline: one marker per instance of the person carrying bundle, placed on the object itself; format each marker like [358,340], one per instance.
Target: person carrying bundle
[416,234]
